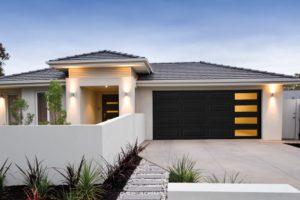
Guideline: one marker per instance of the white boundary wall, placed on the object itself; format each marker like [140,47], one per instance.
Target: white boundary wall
[58,145]
[205,191]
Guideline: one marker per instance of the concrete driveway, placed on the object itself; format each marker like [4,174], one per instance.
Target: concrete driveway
[257,161]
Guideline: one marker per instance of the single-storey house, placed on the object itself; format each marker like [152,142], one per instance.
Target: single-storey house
[180,100]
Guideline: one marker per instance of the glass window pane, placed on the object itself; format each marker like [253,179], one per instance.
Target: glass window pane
[245,120]
[245,108]
[245,96]
[245,132]
[10,101]
[42,108]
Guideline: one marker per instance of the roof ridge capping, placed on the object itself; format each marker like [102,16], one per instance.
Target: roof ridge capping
[76,56]
[231,67]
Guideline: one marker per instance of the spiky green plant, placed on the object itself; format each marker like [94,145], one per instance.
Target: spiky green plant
[3,170]
[36,179]
[71,174]
[89,185]
[183,171]
[231,178]
[71,195]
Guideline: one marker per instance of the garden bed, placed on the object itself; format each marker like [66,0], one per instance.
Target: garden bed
[114,178]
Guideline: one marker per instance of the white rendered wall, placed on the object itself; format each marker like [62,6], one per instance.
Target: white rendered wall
[58,145]
[196,191]
[272,112]
[271,106]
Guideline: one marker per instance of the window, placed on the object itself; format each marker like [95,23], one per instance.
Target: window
[245,108]
[245,120]
[245,96]
[10,100]
[245,132]
[42,110]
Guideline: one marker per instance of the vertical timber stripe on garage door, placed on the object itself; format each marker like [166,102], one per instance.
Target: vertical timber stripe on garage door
[206,115]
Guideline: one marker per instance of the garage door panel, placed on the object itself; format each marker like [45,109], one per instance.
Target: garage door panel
[169,133]
[206,114]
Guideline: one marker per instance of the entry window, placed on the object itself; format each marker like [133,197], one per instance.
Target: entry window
[43,115]
[10,100]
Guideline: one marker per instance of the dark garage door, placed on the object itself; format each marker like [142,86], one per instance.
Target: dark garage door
[206,114]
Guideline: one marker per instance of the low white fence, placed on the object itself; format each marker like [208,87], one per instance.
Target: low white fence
[58,145]
[203,191]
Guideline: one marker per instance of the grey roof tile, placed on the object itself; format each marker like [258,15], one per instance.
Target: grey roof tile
[99,55]
[205,71]
[43,74]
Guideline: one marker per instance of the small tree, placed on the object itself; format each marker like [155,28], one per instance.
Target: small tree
[18,107]
[3,56]
[54,97]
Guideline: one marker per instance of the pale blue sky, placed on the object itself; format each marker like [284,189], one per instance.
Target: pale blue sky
[258,34]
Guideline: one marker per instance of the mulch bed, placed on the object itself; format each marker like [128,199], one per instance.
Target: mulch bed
[112,193]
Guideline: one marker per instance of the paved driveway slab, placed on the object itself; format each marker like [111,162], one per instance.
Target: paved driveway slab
[257,161]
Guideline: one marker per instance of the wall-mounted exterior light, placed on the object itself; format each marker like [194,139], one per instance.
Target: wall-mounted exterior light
[126,94]
[72,94]
[272,94]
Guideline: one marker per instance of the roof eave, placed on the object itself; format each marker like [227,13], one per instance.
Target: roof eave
[28,83]
[65,64]
[219,82]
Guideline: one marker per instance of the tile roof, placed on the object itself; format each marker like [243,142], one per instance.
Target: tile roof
[99,55]
[43,74]
[205,71]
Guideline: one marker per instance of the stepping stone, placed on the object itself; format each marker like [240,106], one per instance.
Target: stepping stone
[145,189]
[142,196]
[147,171]
[146,182]
[149,176]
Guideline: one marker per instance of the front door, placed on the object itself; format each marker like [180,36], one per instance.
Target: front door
[110,105]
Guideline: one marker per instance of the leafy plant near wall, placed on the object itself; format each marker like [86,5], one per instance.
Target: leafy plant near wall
[71,174]
[54,101]
[36,180]
[183,171]
[3,170]
[18,107]
[89,185]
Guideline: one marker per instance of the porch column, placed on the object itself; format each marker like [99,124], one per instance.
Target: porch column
[73,100]
[127,95]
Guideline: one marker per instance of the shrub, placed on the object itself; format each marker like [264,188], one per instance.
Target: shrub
[72,174]
[89,185]
[232,178]
[3,170]
[17,108]
[36,180]
[54,101]
[184,171]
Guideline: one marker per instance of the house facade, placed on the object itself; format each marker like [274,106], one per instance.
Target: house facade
[187,100]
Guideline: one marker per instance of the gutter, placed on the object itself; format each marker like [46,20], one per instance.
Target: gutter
[222,82]
[13,84]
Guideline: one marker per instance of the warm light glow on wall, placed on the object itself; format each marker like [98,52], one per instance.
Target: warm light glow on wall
[273,88]
[2,110]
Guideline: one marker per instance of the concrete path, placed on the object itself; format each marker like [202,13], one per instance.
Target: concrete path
[148,181]
[256,161]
